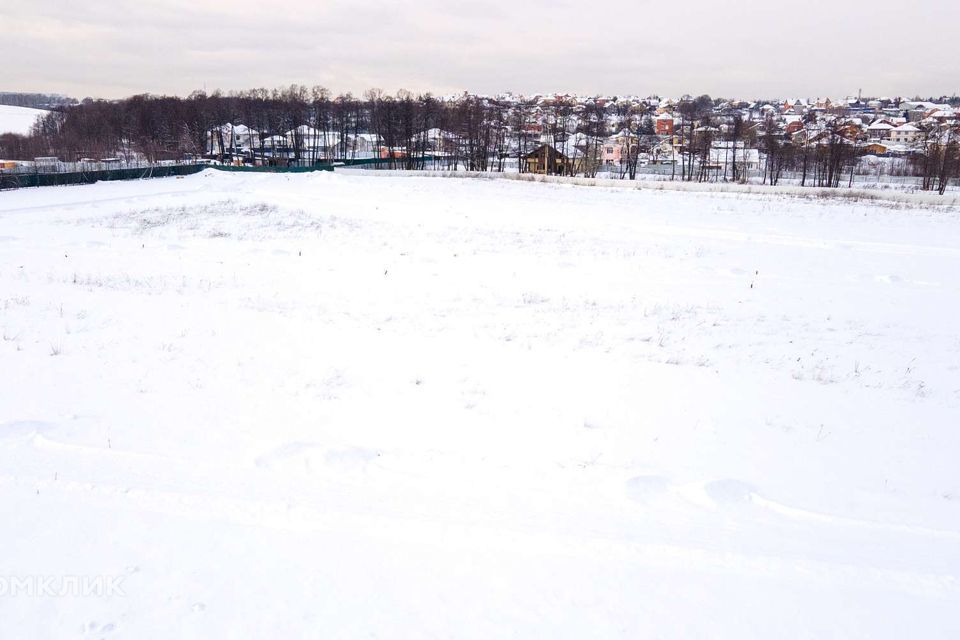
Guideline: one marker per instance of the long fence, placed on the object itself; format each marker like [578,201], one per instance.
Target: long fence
[89,173]
[77,173]
[39,178]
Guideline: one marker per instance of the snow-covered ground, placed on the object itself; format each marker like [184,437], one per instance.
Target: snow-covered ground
[341,406]
[18,119]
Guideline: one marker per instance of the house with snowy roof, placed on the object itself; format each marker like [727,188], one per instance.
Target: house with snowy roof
[918,110]
[906,134]
[797,106]
[879,130]
[941,114]
[876,148]
[313,142]
[363,145]
[230,138]
[724,154]
[664,124]
[548,159]
[793,126]
[822,104]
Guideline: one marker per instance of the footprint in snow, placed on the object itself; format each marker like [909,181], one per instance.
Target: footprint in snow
[93,627]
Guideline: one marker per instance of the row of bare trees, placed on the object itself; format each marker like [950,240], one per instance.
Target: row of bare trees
[407,131]
[411,132]
[831,156]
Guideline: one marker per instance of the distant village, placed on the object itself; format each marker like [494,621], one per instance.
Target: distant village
[816,141]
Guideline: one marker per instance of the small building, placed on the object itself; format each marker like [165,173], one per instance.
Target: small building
[313,142]
[905,134]
[364,145]
[795,106]
[793,127]
[880,130]
[663,124]
[546,159]
[276,146]
[724,154]
[388,153]
[876,149]
[611,153]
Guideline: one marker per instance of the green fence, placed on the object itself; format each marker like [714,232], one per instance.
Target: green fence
[19,180]
[38,179]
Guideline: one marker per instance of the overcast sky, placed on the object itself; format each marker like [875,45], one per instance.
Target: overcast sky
[745,48]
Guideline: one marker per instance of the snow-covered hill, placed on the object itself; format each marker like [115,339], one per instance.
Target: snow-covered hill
[18,119]
[335,406]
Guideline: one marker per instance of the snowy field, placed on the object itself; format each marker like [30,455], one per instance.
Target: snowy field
[338,406]
[18,119]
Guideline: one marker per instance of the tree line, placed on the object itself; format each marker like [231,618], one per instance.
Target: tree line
[416,131]
[35,100]
[471,132]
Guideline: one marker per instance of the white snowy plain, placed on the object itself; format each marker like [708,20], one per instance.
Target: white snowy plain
[340,406]
[18,119]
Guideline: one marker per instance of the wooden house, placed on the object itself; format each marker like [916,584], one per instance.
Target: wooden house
[547,159]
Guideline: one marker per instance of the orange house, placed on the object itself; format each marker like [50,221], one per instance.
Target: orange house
[387,153]
[793,127]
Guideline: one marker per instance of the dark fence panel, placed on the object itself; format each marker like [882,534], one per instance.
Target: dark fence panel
[37,179]
[21,179]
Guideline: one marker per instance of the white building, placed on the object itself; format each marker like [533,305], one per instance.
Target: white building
[879,130]
[905,134]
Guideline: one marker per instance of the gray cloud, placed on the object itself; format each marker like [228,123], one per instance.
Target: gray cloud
[750,48]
